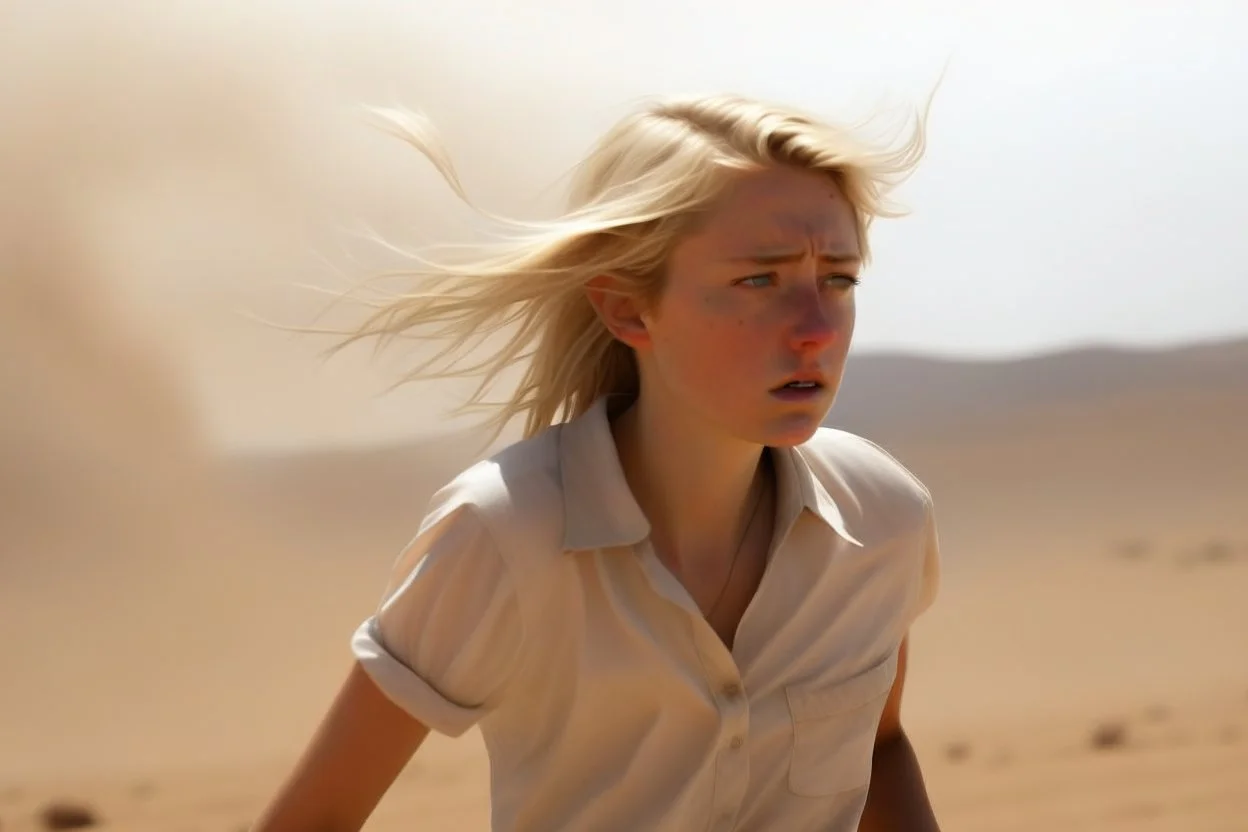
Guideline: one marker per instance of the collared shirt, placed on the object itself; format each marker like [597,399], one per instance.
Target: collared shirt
[531,604]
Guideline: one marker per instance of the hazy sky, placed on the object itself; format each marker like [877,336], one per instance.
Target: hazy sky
[1086,178]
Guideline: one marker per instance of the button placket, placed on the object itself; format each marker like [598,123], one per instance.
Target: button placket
[727,691]
[735,710]
[733,765]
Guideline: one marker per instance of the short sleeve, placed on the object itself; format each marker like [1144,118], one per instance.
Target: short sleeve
[929,562]
[446,638]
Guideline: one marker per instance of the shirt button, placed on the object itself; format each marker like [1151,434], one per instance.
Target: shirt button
[736,743]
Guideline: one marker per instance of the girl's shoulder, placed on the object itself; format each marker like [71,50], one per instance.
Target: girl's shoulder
[861,472]
[515,493]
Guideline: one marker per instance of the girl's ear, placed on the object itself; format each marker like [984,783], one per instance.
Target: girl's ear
[619,309]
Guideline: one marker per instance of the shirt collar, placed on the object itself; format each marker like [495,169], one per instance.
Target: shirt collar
[601,512]
[809,492]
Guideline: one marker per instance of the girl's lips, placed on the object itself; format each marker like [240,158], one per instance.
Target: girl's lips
[790,393]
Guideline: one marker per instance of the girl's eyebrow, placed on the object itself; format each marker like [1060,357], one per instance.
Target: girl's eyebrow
[775,258]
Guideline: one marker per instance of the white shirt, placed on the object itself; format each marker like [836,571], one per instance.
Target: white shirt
[531,603]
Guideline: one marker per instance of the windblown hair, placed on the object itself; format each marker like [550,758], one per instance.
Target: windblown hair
[643,185]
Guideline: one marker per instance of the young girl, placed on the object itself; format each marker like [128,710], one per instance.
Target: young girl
[678,603]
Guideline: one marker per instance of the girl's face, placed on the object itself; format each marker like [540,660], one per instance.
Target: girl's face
[752,328]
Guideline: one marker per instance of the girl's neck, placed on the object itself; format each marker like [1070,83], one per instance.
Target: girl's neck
[695,484]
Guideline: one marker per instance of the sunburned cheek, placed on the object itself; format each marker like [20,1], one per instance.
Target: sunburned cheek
[717,353]
[711,341]
[733,354]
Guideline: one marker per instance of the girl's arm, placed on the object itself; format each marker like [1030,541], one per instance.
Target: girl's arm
[358,750]
[897,800]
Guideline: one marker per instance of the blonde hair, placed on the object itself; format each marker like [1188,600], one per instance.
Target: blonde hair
[639,189]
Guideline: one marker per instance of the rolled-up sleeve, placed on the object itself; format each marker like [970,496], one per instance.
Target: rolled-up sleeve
[446,638]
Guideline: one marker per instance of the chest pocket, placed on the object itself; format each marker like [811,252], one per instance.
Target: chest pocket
[834,730]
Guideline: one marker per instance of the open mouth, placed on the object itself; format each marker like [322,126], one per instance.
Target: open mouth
[799,388]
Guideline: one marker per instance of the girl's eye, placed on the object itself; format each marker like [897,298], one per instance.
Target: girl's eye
[757,280]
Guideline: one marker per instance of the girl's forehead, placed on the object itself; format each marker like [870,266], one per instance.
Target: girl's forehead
[755,226]
[790,201]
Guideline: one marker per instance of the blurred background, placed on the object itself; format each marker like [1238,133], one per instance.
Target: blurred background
[196,508]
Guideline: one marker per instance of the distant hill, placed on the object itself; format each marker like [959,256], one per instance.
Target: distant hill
[1059,446]
[896,397]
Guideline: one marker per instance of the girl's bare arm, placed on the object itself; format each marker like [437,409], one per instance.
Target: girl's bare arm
[358,750]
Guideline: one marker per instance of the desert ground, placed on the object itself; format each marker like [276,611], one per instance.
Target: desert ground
[196,511]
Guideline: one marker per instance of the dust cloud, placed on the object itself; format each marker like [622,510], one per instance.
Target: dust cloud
[170,173]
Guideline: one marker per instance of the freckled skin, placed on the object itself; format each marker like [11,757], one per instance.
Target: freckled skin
[719,347]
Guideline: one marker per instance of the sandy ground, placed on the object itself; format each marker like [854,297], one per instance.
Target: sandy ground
[1083,668]
[1105,694]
